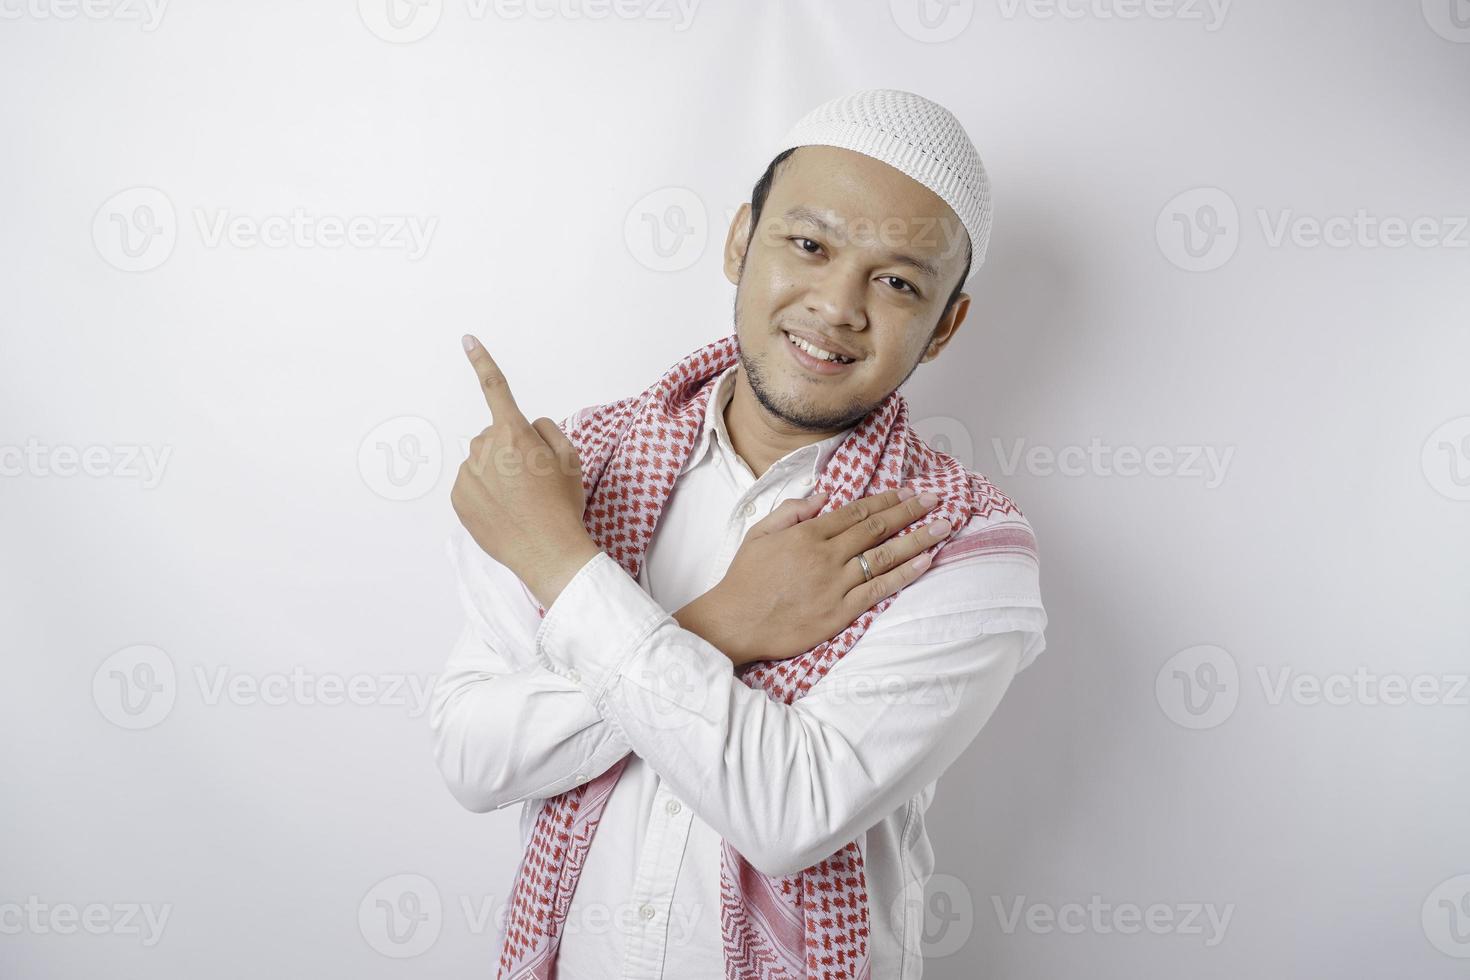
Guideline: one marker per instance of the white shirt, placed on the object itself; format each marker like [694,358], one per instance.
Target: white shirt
[528,708]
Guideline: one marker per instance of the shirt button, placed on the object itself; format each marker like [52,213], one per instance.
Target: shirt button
[579,777]
[573,676]
[807,481]
[748,509]
[645,910]
[673,806]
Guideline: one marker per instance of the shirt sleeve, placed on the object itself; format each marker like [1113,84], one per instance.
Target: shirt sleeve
[788,785]
[505,728]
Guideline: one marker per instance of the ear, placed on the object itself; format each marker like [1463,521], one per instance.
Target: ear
[737,241]
[945,331]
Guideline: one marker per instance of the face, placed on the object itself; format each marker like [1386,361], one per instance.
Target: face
[857,258]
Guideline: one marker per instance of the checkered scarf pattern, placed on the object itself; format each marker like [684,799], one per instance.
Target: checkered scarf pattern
[811,925]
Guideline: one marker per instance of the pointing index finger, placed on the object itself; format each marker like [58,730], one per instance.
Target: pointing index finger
[493,384]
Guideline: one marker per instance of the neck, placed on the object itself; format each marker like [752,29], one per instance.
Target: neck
[758,437]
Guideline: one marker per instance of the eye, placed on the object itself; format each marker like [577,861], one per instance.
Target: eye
[799,239]
[902,283]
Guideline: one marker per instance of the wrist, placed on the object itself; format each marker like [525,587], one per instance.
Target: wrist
[704,617]
[549,575]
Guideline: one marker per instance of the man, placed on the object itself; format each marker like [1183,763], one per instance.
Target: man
[697,809]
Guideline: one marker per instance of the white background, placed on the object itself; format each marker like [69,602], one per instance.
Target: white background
[299,390]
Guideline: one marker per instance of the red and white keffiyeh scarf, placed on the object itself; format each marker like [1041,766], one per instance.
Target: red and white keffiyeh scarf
[803,926]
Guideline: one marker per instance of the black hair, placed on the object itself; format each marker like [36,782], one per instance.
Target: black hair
[758,202]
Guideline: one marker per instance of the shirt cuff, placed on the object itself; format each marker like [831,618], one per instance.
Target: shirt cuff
[596,623]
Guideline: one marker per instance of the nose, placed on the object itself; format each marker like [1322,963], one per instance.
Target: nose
[839,297]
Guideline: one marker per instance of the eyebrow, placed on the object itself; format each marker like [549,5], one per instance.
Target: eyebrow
[804,213]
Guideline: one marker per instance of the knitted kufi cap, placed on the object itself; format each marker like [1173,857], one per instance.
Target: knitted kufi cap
[914,135]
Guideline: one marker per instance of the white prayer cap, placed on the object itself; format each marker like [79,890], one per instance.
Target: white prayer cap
[914,135]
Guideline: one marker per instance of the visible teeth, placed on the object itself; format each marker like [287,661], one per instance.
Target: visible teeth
[817,352]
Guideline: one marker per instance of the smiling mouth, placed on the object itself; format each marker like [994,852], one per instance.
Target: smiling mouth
[815,352]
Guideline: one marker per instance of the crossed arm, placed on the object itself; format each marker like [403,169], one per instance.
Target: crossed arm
[528,708]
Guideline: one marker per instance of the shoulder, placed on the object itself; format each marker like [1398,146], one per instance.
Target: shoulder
[997,527]
[991,534]
[996,548]
[991,563]
[600,413]
[986,578]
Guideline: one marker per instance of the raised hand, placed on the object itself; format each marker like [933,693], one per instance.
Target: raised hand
[519,493]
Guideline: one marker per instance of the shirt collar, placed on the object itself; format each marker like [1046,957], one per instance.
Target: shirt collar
[813,456]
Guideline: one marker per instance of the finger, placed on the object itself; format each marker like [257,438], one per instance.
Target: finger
[788,513]
[876,519]
[493,383]
[554,436]
[839,519]
[896,550]
[566,452]
[868,594]
[812,505]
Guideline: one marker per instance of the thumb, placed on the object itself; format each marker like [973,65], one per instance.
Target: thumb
[554,437]
[788,513]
